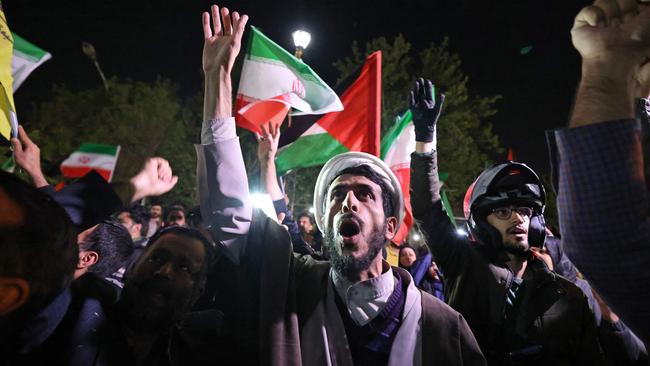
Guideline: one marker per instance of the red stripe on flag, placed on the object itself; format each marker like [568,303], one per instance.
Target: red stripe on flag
[404,177]
[76,172]
[261,112]
[357,126]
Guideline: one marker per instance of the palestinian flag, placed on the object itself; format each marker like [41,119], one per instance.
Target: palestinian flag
[356,128]
[26,58]
[89,156]
[273,81]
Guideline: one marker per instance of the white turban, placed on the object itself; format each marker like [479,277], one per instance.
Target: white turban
[350,160]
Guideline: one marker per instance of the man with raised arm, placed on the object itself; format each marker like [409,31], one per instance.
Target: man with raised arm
[602,192]
[521,312]
[293,310]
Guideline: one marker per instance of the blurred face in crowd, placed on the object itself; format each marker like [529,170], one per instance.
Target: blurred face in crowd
[164,283]
[433,271]
[176,218]
[304,222]
[130,225]
[155,211]
[512,223]
[407,257]
[356,226]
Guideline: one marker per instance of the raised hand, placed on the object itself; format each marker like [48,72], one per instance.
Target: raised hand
[614,35]
[28,157]
[268,142]
[222,44]
[154,179]
[425,110]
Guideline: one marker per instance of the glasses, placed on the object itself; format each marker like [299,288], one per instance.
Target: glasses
[504,213]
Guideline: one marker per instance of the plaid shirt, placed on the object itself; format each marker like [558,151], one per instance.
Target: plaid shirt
[603,209]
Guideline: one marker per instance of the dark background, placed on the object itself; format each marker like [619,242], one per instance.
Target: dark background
[142,40]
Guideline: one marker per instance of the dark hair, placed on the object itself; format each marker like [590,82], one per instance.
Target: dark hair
[139,215]
[112,242]
[368,172]
[308,215]
[191,233]
[172,209]
[194,218]
[42,249]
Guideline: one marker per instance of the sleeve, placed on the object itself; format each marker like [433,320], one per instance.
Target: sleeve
[620,345]
[603,210]
[223,186]
[449,250]
[87,201]
[470,350]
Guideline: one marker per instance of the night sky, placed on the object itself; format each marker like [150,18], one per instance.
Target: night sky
[144,39]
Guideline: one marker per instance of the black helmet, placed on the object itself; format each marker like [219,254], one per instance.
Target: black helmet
[502,184]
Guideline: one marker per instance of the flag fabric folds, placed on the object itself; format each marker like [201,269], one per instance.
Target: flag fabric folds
[356,128]
[26,58]
[396,148]
[89,156]
[273,81]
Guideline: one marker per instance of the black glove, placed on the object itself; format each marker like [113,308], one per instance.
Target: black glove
[424,109]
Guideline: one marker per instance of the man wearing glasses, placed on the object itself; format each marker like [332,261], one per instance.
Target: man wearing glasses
[520,311]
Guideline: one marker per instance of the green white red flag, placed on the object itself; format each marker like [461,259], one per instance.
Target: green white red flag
[273,81]
[396,148]
[26,58]
[99,157]
[356,128]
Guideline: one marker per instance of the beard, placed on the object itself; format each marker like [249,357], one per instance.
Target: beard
[517,248]
[147,306]
[347,265]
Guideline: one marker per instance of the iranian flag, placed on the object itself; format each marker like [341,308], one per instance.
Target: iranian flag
[356,128]
[273,81]
[89,156]
[396,148]
[26,58]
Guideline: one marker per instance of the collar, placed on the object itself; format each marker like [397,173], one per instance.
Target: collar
[365,299]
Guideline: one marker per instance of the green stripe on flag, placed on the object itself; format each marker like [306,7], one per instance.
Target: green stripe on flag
[400,123]
[87,147]
[447,205]
[28,49]
[307,151]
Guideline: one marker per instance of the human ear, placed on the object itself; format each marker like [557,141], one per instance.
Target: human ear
[391,225]
[87,259]
[13,294]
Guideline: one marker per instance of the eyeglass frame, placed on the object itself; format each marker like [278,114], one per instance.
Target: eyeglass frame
[512,209]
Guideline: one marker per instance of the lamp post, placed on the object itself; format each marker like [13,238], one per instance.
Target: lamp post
[301,40]
[89,50]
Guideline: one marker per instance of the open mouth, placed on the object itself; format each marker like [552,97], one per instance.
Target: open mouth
[349,228]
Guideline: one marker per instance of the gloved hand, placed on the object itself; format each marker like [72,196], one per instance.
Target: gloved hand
[425,110]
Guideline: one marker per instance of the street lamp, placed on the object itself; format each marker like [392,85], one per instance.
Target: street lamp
[89,50]
[301,40]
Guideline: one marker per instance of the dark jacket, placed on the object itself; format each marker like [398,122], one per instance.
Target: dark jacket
[551,323]
[620,346]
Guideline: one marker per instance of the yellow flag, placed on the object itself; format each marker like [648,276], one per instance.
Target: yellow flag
[7,109]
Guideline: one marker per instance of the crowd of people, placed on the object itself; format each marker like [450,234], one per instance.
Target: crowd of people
[90,276]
